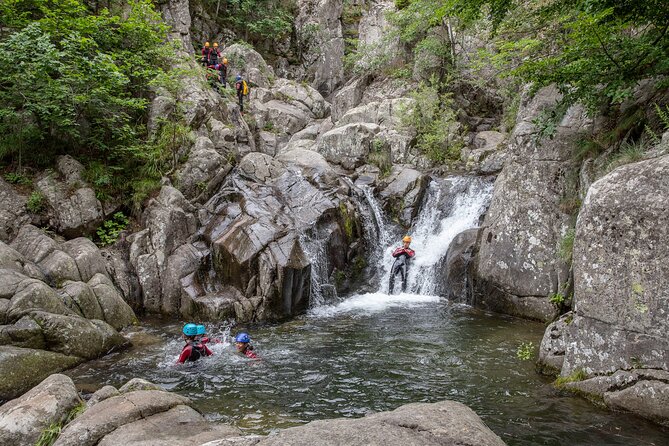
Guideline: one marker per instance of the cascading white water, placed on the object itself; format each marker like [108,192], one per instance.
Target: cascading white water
[436,227]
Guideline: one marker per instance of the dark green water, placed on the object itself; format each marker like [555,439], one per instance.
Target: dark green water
[369,355]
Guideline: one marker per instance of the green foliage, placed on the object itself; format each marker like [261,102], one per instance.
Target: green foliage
[35,203]
[347,219]
[78,83]
[439,136]
[556,298]
[629,152]
[401,4]
[51,433]
[380,157]
[566,248]
[109,231]
[18,178]
[525,351]
[578,375]
[260,21]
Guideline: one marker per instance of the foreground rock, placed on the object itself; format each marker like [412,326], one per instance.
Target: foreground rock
[617,334]
[58,307]
[22,420]
[446,423]
[140,413]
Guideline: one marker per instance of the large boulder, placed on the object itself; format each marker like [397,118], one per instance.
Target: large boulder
[260,168]
[23,333]
[518,263]
[302,96]
[179,425]
[349,96]
[402,193]
[86,256]
[33,295]
[23,420]
[446,423]
[75,209]
[76,336]
[115,310]
[621,293]
[33,243]
[244,60]
[23,368]
[348,145]
[203,164]
[106,416]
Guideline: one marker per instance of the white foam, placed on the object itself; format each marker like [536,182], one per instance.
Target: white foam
[372,303]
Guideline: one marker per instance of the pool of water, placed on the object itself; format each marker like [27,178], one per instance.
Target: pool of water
[373,353]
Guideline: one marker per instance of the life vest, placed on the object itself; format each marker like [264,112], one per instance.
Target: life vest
[245,88]
[196,352]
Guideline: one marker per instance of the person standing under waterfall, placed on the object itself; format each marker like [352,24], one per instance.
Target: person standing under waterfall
[401,265]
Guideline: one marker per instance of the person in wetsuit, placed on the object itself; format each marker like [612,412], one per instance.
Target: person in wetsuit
[401,265]
[194,348]
[243,344]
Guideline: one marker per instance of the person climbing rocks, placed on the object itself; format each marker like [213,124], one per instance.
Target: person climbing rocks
[206,50]
[214,56]
[194,348]
[223,69]
[401,265]
[242,90]
[243,344]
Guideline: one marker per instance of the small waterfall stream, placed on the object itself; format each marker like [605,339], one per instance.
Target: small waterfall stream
[451,205]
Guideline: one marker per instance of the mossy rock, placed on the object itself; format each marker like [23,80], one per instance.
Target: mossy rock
[23,368]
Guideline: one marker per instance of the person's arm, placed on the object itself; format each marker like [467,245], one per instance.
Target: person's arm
[410,252]
[185,354]
[207,351]
[398,252]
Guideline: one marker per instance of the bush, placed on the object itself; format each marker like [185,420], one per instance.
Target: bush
[525,351]
[110,230]
[18,178]
[439,135]
[35,203]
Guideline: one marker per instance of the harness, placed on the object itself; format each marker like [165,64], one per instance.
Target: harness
[196,351]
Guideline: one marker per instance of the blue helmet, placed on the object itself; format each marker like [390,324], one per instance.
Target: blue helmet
[201,330]
[190,330]
[243,337]
[239,77]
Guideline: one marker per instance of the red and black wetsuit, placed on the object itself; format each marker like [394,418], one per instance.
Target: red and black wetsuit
[406,251]
[400,267]
[193,351]
[205,55]
[249,353]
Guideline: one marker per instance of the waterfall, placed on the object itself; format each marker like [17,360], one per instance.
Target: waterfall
[451,205]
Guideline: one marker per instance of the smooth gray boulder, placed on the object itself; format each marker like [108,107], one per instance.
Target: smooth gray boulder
[116,311]
[10,280]
[33,295]
[318,29]
[552,348]
[138,384]
[348,145]
[86,256]
[349,96]
[297,93]
[202,166]
[74,213]
[402,193]
[33,243]
[79,297]
[106,416]
[23,419]
[59,267]
[102,394]
[23,333]
[445,423]
[244,60]
[10,258]
[180,425]
[76,336]
[285,117]
[23,368]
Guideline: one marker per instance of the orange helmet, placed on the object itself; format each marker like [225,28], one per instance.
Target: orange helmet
[225,61]
[215,45]
[206,44]
[406,239]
